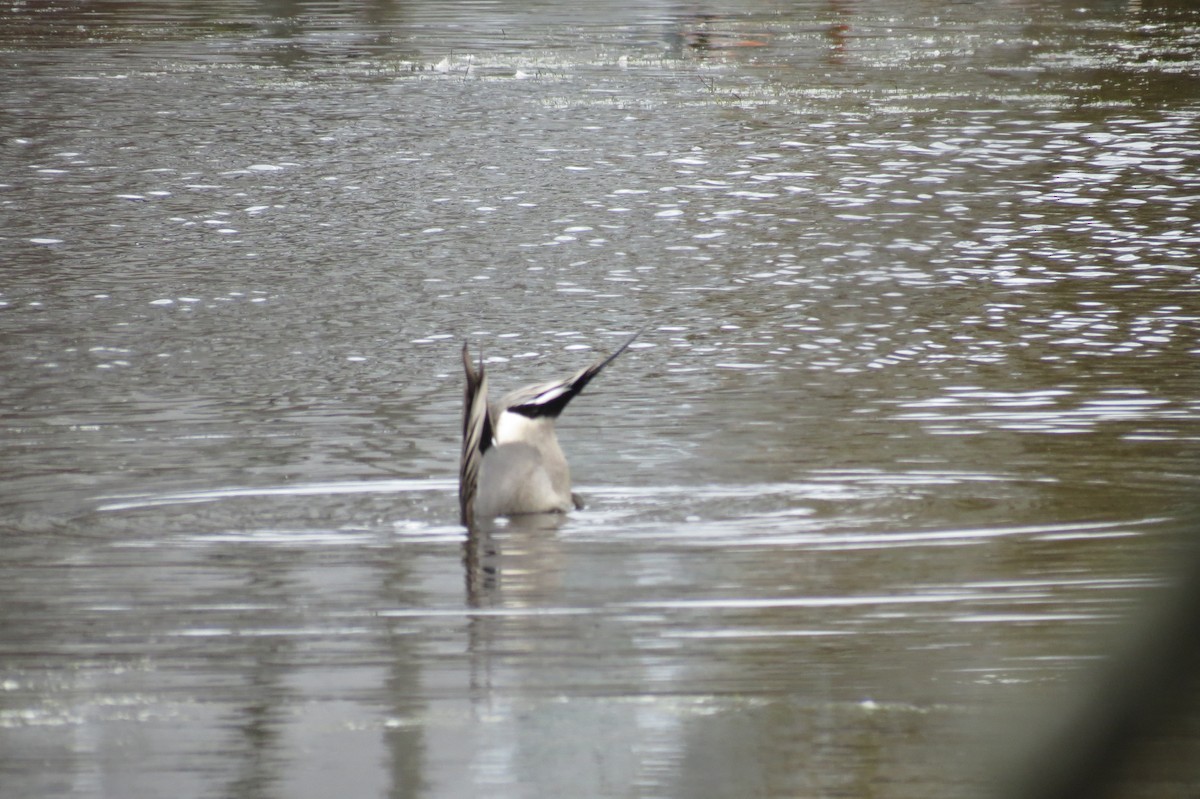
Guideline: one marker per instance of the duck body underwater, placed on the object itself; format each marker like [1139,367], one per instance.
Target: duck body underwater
[511,461]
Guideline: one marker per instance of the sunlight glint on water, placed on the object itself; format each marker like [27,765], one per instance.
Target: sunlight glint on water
[909,435]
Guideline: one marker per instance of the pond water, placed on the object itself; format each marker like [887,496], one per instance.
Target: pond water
[912,430]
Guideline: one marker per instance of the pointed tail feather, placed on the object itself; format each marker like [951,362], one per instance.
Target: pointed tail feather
[550,399]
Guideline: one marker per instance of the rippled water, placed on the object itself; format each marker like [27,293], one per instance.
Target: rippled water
[912,429]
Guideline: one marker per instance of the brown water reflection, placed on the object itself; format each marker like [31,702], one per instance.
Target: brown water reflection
[911,433]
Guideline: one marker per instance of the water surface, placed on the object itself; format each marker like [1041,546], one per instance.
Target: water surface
[911,433]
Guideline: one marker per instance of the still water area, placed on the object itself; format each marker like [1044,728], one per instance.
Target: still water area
[910,440]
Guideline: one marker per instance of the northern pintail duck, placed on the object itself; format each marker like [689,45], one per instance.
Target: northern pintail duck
[511,461]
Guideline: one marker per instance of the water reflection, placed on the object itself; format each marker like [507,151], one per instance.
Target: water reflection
[513,562]
[910,430]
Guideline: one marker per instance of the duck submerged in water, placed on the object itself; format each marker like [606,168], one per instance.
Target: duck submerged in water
[511,461]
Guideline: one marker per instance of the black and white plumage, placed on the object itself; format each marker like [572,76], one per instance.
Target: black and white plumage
[511,462]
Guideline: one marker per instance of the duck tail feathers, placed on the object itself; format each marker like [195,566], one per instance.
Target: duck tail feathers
[551,398]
